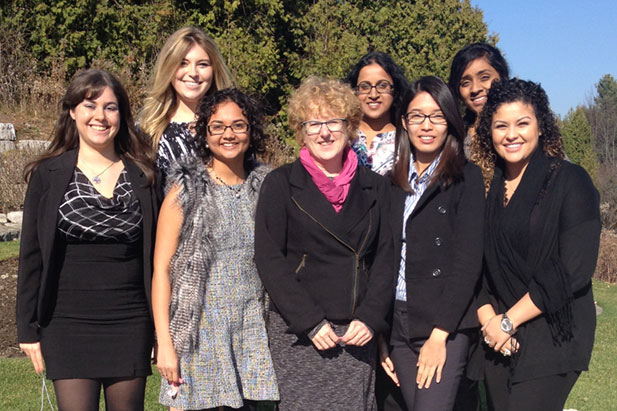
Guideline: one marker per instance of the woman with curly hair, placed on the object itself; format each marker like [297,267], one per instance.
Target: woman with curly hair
[206,294]
[323,248]
[188,67]
[541,246]
[379,83]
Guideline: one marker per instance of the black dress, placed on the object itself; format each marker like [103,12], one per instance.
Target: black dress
[100,326]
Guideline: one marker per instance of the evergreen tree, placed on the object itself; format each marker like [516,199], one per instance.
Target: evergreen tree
[578,141]
[603,119]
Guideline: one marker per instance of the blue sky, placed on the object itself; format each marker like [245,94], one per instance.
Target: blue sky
[566,45]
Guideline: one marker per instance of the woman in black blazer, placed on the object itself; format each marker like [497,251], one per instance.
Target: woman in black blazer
[437,221]
[86,247]
[323,249]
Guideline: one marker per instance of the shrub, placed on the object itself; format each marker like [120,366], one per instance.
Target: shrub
[12,184]
[606,269]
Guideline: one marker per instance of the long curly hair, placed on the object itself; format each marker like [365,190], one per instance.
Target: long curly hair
[450,168]
[252,110]
[129,143]
[510,91]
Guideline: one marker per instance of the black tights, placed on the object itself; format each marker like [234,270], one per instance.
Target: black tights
[248,406]
[82,394]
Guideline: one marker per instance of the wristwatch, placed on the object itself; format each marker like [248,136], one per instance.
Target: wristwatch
[506,325]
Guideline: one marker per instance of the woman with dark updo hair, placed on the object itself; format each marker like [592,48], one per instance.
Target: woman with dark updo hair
[474,70]
[379,84]
[540,246]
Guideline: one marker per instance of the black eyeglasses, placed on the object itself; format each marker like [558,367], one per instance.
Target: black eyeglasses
[238,127]
[418,118]
[381,87]
[312,127]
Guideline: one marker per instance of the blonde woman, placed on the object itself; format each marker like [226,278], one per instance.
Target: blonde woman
[188,67]
[324,251]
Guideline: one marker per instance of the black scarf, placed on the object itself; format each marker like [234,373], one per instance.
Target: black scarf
[522,243]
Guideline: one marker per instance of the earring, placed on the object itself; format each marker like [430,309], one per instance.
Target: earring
[207,146]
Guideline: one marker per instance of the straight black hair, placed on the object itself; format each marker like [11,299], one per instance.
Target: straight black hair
[452,160]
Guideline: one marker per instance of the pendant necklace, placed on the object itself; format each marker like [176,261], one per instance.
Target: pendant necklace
[97,178]
[235,189]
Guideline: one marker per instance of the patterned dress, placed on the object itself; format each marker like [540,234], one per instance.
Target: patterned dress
[174,145]
[100,326]
[232,361]
[379,157]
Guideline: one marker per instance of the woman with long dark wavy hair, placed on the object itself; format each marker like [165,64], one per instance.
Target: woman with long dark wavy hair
[86,249]
[540,246]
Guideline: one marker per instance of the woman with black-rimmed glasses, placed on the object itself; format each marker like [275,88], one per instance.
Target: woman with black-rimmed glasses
[378,82]
[323,250]
[437,218]
[207,297]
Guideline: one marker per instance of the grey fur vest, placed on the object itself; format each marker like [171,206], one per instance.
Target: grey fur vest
[191,262]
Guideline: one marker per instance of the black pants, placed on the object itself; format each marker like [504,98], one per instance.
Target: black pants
[387,394]
[541,394]
[440,396]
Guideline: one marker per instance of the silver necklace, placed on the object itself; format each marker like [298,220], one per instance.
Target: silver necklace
[235,189]
[97,178]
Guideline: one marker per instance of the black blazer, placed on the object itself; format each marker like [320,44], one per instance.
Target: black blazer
[318,264]
[46,189]
[444,237]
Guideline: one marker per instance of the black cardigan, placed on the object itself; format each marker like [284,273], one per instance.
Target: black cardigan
[571,203]
[44,195]
[318,264]
[444,253]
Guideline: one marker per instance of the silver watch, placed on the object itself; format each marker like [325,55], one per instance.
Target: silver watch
[506,325]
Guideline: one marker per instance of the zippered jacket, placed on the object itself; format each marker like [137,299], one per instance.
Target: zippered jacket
[316,264]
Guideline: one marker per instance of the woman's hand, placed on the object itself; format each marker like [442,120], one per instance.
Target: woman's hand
[33,351]
[493,335]
[510,347]
[432,358]
[386,361]
[167,364]
[325,338]
[357,334]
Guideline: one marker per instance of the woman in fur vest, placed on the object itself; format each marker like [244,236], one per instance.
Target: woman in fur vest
[207,296]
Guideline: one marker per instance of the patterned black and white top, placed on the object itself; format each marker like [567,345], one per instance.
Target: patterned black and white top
[174,145]
[85,215]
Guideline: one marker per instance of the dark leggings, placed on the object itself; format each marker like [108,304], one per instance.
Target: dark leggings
[541,394]
[82,394]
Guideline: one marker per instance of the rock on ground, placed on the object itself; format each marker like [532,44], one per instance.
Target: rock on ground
[7,132]
[15,216]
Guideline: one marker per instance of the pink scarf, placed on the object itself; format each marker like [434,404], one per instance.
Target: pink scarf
[336,189]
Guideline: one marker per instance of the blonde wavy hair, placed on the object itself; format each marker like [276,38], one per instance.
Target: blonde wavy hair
[318,95]
[161,101]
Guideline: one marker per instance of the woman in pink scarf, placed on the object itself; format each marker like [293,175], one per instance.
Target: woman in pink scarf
[324,251]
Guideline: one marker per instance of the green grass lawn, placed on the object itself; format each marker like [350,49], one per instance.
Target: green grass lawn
[20,387]
[8,249]
[596,390]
